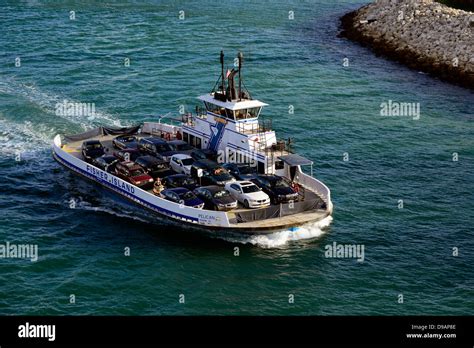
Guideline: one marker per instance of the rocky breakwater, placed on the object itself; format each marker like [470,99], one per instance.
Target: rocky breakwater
[423,34]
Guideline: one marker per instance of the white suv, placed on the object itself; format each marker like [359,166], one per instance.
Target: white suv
[181,163]
[249,194]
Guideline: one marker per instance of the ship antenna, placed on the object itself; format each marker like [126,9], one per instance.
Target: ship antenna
[222,72]
[240,56]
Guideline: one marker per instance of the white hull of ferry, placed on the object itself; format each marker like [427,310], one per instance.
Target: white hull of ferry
[198,218]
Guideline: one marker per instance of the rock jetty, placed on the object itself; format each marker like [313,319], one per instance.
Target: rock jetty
[423,34]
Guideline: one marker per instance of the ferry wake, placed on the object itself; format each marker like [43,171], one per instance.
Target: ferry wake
[220,169]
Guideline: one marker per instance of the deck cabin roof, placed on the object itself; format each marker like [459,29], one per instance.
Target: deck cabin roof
[232,105]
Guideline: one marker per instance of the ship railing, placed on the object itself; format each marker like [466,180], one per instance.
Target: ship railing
[279,211]
[313,184]
[162,130]
[254,128]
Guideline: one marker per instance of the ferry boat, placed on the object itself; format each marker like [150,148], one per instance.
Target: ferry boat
[230,126]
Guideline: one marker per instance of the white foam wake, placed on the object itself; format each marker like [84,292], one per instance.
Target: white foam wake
[23,138]
[282,238]
[47,102]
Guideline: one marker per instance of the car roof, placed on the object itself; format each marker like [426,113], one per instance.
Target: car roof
[206,164]
[245,183]
[155,140]
[129,150]
[271,177]
[172,176]
[181,156]
[177,142]
[109,157]
[178,190]
[149,159]
[213,188]
[130,165]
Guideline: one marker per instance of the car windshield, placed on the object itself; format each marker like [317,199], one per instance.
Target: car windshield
[223,177]
[188,195]
[189,181]
[221,194]
[157,166]
[127,139]
[94,146]
[163,148]
[183,147]
[281,184]
[246,170]
[199,155]
[136,172]
[250,189]
[187,161]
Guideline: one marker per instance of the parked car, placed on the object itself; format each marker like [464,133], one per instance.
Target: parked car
[127,154]
[276,187]
[204,154]
[241,171]
[125,142]
[92,149]
[212,173]
[153,166]
[216,198]
[249,194]
[181,163]
[179,180]
[106,163]
[182,195]
[156,147]
[134,174]
[181,146]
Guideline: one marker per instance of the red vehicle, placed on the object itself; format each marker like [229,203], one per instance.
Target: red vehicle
[134,174]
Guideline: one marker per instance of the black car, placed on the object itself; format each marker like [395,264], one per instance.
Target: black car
[179,180]
[241,171]
[212,173]
[182,196]
[153,166]
[276,187]
[203,154]
[216,198]
[180,146]
[106,163]
[156,147]
[125,141]
[128,154]
[92,149]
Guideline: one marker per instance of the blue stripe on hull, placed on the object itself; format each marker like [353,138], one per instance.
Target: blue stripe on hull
[126,193]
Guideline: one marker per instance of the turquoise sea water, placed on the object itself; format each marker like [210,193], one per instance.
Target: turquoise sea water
[295,62]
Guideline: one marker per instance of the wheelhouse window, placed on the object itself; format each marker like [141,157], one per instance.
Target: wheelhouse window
[253,112]
[219,110]
[244,114]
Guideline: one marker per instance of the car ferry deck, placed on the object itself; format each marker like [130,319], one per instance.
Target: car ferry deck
[230,126]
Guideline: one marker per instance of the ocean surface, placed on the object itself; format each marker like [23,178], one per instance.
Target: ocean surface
[290,64]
